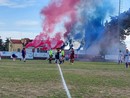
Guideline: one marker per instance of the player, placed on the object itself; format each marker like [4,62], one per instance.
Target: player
[57,56]
[126,58]
[120,57]
[72,56]
[62,55]
[0,55]
[50,55]
[24,54]
[14,57]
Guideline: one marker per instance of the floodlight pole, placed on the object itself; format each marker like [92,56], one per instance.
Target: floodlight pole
[119,6]
[119,10]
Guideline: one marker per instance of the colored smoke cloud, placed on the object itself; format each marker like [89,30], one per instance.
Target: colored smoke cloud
[58,11]
[93,14]
[80,20]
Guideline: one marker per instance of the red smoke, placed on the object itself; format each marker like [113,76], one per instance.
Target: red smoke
[52,15]
[55,12]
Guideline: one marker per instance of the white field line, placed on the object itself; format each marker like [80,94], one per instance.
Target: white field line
[64,83]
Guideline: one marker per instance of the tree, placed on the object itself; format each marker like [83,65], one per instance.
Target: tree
[121,23]
[1,45]
[6,45]
[116,31]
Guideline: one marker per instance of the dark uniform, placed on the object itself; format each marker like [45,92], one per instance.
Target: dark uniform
[57,56]
[72,56]
[23,54]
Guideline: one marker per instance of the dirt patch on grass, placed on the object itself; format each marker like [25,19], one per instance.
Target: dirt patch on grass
[113,92]
[123,91]
[96,72]
[30,90]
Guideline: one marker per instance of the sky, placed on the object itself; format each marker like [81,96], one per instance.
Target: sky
[22,19]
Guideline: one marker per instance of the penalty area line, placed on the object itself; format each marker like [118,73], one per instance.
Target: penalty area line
[63,81]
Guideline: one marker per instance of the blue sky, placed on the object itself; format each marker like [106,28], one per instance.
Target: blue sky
[21,18]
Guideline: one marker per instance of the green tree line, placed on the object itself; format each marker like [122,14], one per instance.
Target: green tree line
[4,46]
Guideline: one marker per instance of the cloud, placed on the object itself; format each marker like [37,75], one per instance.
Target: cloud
[26,23]
[3,1]
[2,23]
[17,3]
[21,25]
[17,34]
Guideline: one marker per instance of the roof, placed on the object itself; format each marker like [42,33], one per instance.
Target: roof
[16,41]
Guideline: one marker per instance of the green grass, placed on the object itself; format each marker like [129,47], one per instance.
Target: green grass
[38,79]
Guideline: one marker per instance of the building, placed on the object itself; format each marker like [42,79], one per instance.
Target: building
[17,44]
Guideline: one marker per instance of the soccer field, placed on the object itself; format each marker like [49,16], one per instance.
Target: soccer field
[38,79]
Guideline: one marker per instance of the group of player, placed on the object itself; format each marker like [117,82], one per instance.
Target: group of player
[14,56]
[124,57]
[59,56]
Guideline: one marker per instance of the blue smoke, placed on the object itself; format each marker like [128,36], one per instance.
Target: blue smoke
[93,13]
